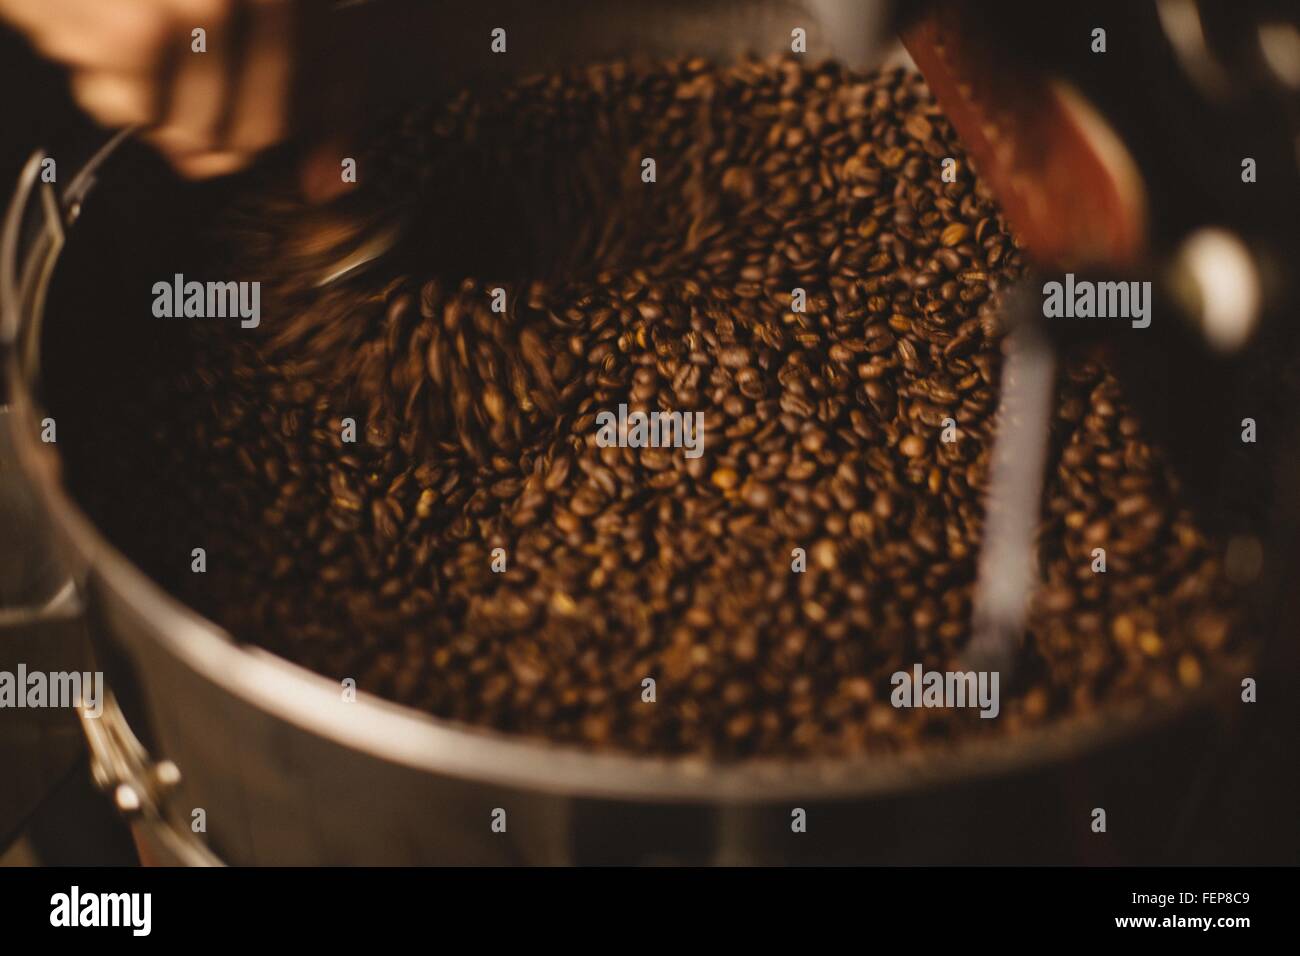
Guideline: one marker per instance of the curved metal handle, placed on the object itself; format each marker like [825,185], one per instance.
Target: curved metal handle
[29,245]
[15,267]
[33,234]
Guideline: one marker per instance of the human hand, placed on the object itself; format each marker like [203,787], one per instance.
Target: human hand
[210,102]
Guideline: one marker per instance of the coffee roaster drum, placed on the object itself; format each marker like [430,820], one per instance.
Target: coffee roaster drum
[223,752]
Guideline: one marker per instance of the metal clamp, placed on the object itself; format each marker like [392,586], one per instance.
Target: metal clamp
[139,787]
[48,613]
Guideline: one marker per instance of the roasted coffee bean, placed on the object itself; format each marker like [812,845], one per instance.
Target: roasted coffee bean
[472,550]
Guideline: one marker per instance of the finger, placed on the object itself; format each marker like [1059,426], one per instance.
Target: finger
[114,99]
[200,88]
[174,141]
[208,164]
[27,15]
[191,158]
[92,34]
[260,115]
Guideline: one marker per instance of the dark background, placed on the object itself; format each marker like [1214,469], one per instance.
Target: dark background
[34,104]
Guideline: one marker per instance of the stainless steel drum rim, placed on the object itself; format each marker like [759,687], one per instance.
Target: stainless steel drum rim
[424,742]
[420,741]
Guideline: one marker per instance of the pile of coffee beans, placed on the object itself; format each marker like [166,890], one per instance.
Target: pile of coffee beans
[795,265]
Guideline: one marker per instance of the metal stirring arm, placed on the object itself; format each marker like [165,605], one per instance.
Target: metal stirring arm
[1007,567]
